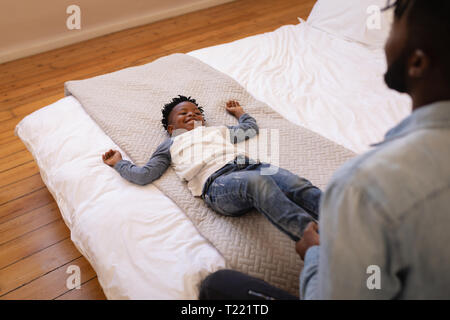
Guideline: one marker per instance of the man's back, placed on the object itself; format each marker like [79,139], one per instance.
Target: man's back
[389,211]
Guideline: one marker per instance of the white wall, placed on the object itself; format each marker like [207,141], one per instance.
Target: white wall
[32,26]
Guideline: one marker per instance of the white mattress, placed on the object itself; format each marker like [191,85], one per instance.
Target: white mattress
[138,241]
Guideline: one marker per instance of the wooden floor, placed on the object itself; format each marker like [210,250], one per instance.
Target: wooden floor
[35,245]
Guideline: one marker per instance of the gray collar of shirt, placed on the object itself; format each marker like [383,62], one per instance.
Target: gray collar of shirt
[434,115]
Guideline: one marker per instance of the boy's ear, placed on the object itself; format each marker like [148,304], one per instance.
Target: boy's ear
[170,129]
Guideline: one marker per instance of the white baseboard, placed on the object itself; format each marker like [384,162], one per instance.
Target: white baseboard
[75,36]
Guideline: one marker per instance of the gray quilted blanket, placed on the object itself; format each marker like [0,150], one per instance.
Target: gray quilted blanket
[127,105]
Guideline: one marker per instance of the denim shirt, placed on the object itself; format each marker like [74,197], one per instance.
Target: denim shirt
[385,218]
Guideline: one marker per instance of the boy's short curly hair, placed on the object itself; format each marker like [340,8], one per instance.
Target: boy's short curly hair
[169,107]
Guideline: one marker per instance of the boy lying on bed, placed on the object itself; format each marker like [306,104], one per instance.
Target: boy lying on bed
[230,184]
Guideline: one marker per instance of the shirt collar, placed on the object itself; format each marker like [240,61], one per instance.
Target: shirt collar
[434,115]
[178,132]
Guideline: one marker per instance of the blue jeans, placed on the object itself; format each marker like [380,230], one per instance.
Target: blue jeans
[288,201]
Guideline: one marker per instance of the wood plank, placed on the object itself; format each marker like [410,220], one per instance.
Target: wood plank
[5,115]
[8,125]
[14,160]
[90,290]
[26,170]
[12,147]
[53,284]
[37,265]
[32,242]
[20,188]
[7,136]
[28,222]
[22,205]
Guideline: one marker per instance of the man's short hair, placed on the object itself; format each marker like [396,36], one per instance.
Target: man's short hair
[429,28]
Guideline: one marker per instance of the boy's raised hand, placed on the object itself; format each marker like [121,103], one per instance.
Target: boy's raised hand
[111,157]
[235,109]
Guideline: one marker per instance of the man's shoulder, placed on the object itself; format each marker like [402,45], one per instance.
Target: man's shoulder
[398,173]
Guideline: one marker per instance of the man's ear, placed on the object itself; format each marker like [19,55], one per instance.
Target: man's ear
[418,64]
[170,129]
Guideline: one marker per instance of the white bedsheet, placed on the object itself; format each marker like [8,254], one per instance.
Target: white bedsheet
[138,241]
[328,85]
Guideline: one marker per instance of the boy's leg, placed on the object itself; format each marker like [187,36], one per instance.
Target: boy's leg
[298,189]
[237,192]
[223,196]
[233,285]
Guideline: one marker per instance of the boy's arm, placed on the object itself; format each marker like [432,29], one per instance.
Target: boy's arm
[247,127]
[152,170]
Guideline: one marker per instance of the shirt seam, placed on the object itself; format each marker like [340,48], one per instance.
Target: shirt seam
[403,216]
[400,134]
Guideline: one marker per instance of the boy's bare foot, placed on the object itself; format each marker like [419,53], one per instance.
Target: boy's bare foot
[111,157]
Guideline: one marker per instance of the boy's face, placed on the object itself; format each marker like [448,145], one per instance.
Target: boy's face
[184,116]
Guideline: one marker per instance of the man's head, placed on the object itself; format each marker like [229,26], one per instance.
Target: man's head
[182,113]
[418,49]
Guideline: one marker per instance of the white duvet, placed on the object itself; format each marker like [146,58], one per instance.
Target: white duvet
[139,242]
[328,85]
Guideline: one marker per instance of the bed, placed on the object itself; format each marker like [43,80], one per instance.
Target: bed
[324,74]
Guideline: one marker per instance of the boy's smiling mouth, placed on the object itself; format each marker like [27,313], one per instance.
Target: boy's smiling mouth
[192,120]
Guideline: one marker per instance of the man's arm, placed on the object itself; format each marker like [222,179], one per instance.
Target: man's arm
[308,250]
[152,170]
[247,127]
[358,257]
[308,277]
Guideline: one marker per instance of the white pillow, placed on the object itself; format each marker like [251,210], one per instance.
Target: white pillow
[354,20]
